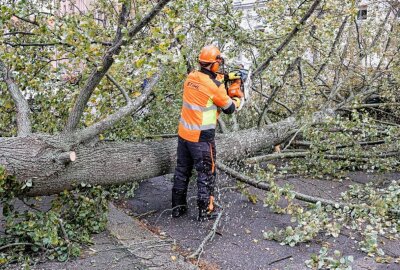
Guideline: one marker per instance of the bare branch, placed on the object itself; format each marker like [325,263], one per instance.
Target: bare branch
[35,44]
[23,110]
[389,40]
[18,33]
[358,37]
[209,237]
[287,40]
[363,158]
[275,100]
[26,20]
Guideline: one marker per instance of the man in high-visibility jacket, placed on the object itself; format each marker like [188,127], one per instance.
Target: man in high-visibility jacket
[204,96]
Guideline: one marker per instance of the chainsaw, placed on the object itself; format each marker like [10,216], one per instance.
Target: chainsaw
[245,84]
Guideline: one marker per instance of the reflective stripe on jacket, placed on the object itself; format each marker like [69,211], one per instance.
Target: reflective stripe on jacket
[202,96]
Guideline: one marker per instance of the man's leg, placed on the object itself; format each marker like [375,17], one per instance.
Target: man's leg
[203,157]
[183,171]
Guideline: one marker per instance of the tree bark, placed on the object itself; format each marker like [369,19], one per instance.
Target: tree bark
[23,111]
[36,157]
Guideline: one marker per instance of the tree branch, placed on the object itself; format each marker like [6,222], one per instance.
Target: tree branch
[18,33]
[336,41]
[122,90]
[275,100]
[136,29]
[26,20]
[35,44]
[299,196]
[209,237]
[23,110]
[287,40]
[380,31]
[364,157]
[276,89]
[97,73]
[110,120]
[16,244]
[372,105]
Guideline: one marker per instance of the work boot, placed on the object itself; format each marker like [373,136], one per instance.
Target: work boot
[179,204]
[202,215]
[205,215]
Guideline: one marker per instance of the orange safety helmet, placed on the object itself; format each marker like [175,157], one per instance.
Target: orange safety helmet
[210,54]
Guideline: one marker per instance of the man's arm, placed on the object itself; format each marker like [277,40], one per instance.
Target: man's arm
[222,100]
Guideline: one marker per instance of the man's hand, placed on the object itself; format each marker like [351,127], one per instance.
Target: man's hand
[236,101]
[231,76]
[234,75]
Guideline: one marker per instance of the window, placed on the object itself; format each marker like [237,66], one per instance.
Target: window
[362,13]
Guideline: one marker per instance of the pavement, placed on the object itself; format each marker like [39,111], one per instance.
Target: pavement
[239,243]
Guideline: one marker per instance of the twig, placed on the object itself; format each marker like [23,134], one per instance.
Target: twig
[275,156]
[294,136]
[26,20]
[275,100]
[16,244]
[281,259]
[371,105]
[165,210]
[122,90]
[145,214]
[60,221]
[308,144]
[209,237]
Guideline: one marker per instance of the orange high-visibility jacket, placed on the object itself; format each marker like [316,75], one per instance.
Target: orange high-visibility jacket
[203,94]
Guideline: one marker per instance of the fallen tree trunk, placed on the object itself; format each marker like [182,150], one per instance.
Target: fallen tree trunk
[41,159]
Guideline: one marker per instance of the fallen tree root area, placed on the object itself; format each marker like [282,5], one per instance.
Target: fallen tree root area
[238,242]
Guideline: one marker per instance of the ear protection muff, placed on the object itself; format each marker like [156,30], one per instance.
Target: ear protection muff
[215,67]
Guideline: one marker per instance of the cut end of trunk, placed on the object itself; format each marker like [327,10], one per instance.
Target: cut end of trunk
[67,157]
[72,156]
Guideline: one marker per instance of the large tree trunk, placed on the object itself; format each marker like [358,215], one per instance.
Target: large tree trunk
[42,159]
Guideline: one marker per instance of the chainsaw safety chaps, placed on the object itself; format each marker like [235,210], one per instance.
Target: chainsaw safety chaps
[202,156]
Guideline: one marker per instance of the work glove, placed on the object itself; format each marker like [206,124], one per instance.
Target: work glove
[234,89]
[236,101]
[232,76]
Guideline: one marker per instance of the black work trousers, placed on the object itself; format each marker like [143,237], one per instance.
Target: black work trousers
[201,156]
